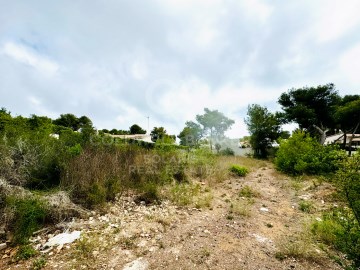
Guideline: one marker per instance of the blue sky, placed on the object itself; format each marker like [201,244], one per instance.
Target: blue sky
[121,61]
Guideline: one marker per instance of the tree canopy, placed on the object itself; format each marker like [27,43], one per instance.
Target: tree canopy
[136,129]
[214,123]
[313,108]
[264,128]
[191,134]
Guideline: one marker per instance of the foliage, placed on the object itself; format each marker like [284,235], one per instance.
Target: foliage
[201,162]
[159,134]
[340,230]
[136,129]
[302,154]
[313,108]
[214,123]
[191,134]
[264,128]
[39,263]
[227,152]
[305,206]
[29,215]
[99,173]
[25,252]
[239,170]
[348,179]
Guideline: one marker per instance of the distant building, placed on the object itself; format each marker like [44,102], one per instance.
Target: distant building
[137,137]
[339,139]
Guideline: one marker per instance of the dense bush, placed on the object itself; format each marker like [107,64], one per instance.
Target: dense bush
[99,173]
[303,154]
[348,180]
[28,216]
[340,230]
[238,170]
[227,152]
[202,162]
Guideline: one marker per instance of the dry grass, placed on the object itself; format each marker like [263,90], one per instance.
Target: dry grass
[241,208]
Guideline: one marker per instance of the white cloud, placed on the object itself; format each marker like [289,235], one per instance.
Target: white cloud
[26,56]
[335,18]
[350,65]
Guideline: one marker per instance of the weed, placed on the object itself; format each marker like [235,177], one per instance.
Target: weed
[241,209]
[29,216]
[25,252]
[39,263]
[183,193]
[238,170]
[85,246]
[204,201]
[248,192]
[305,206]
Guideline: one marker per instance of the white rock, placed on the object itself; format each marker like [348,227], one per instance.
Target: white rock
[138,264]
[63,238]
[264,209]
[2,246]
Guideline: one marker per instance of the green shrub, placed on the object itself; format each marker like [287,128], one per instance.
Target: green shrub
[238,170]
[201,163]
[25,252]
[348,179]
[302,154]
[340,230]
[227,152]
[305,206]
[39,263]
[29,215]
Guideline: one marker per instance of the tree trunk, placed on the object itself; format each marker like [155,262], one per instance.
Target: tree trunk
[322,133]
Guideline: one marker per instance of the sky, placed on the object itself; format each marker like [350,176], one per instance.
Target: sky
[119,62]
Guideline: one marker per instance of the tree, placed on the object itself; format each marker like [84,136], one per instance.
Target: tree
[158,133]
[85,122]
[214,123]
[68,120]
[191,134]
[313,108]
[136,129]
[264,128]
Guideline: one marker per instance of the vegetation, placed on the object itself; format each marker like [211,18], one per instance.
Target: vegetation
[238,170]
[40,154]
[264,128]
[302,154]
[214,124]
[29,215]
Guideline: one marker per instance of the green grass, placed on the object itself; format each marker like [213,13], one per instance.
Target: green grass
[305,206]
[238,170]
[25,252]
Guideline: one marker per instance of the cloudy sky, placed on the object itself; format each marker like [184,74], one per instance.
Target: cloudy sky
[120,61]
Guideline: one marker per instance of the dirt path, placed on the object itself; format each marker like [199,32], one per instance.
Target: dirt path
[235,233]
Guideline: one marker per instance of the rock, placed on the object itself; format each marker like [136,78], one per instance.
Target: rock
[63,238]
[2,246]
[264,209]
[138,264]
